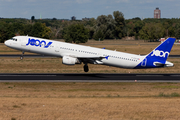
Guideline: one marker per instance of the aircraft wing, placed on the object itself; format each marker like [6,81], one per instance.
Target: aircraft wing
[89,59]
[86,57]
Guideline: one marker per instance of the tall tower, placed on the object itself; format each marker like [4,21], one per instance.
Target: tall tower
[157,13]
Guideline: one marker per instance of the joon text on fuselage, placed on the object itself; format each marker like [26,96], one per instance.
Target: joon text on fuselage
[38,43]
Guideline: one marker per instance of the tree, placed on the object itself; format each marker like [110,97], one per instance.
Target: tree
[40,30]
[32,18]
[17,28]
[152,31]
[27,29]
[91,31]
[54,19]
[138,26]
[171,31]
[4,32]
[105,27]
[9,30]
[99,35]
[120,24]
[136,18]
[76,33]
[177,31]
[129,29]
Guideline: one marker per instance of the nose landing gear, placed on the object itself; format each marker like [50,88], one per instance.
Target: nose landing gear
[21,57]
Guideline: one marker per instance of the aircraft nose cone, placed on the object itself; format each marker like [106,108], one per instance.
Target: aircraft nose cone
[7,43]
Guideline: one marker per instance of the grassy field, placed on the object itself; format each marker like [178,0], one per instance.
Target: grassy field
[89,101]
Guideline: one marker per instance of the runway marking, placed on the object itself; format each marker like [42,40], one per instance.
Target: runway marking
[149,75]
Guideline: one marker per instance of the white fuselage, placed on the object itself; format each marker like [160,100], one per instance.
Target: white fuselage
[61,49]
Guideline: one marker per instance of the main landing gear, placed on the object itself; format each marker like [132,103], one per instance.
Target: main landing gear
[86,68]
[21,57]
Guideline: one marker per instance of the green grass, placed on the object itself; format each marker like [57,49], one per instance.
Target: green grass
[75,90]
[169,95]
[168,87]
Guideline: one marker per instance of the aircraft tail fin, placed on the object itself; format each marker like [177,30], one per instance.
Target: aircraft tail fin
[158,57]
[161,53]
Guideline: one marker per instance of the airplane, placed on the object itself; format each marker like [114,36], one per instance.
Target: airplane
[72,54]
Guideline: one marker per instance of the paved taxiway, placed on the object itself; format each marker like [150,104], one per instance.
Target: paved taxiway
[89,77]
[47,56]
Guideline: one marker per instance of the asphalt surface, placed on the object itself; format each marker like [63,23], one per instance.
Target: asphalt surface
[48,56]
[89,77]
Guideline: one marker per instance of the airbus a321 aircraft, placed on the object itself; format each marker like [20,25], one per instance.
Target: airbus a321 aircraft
[72,54]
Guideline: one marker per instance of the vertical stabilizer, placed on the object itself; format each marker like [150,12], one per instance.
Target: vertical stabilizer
[158,57]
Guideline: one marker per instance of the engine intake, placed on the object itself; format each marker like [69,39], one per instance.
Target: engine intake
[70,60]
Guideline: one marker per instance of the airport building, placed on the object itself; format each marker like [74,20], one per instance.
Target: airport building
[157,13]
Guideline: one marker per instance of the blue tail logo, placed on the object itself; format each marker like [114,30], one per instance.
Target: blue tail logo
[158,53]
[158,56]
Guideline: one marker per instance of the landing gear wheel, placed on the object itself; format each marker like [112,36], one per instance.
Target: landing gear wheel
[21,57]
[86,68]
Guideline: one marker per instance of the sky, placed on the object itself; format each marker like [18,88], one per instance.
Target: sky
[65,9]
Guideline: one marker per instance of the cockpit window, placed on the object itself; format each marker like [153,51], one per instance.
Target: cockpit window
[14,39]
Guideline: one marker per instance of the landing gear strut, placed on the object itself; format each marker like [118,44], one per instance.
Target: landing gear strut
[86,68]
[21,57]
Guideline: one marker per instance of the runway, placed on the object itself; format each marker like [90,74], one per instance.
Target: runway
[48,56]
[89,77]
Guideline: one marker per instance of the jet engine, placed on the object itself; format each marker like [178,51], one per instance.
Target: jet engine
[70,60]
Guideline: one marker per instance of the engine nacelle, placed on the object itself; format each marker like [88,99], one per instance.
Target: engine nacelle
[70,60]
